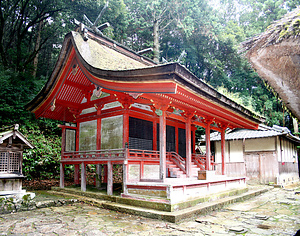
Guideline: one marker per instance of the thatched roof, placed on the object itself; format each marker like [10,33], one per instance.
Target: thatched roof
[275,55]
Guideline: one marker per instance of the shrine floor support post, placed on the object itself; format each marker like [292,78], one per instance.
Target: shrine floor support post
[62,176]
[163,148]
[109,178]
[83,177]
[125,168]
[76,174]
[98,175]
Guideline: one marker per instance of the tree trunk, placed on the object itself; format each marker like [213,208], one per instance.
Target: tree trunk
[156,41]
[36,48]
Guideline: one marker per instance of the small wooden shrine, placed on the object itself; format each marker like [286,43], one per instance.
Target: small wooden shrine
[12,145]
[122,108]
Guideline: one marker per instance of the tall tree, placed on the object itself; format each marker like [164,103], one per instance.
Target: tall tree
[19,29]
[150,18]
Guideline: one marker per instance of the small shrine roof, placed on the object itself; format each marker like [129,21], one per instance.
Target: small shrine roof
[17,137]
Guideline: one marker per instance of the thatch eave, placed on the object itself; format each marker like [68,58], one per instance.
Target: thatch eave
[275,55]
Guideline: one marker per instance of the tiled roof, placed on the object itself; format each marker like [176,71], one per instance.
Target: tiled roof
[262,132]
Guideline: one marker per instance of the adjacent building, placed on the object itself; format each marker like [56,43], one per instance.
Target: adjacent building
[268,154]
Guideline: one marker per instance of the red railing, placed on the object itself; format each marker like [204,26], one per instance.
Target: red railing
[177,159]
[136,154]
[111,154]
[200,161]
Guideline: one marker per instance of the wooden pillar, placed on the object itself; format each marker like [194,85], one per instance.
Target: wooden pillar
[126,125]
[223,151]
[188,143]
[77,137]
[194,139]
[76,174]
[77,169]
[176,139]
[98,166]
[125,173]
[163,146]
[98,175]
[62,176]
[63,140]
[207,141]
[154,135]
[98,144]
[83,177]
[62,166]
[109,178]
[141,170]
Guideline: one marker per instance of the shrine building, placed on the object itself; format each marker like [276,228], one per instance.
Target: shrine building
[120,107]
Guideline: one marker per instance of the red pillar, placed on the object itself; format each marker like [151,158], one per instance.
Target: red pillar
[76,166]
[98,130]
[62,166]
[188,160]
[207,140]
[98,147]
[126,125]
[163,146]
[154,135]
[223,150]
[176,138]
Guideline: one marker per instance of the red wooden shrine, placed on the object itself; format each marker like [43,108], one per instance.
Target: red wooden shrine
[122,108]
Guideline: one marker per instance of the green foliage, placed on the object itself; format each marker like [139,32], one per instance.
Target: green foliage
[43,161]
[16,90]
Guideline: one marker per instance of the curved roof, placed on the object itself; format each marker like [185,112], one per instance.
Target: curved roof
[275,55]
[95,62]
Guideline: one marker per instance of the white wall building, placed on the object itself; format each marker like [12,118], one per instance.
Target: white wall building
[268,154]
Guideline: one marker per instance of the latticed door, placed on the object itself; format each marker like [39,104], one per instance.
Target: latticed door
[10,162]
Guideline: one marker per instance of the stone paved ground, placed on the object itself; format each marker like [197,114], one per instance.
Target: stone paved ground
[276,212]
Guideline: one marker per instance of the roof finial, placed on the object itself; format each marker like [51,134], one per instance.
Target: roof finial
[94,26]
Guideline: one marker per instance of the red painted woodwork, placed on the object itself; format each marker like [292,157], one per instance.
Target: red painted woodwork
[163,146]
[188,160]
[207,141]
[223,151]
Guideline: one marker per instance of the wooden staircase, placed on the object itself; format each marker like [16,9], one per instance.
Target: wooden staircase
[176,167]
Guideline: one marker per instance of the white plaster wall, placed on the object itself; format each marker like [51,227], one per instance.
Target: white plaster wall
[88,135]
[261,144]
[288,178]
[236,151]
[112,132]
[218,156]
[151,171]
[133,173]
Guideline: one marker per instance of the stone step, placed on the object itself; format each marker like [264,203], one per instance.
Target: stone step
[170,216]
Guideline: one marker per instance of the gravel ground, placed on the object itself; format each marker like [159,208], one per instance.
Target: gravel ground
[276,212]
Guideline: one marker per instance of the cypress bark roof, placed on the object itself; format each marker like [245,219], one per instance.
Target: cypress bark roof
[275,55]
